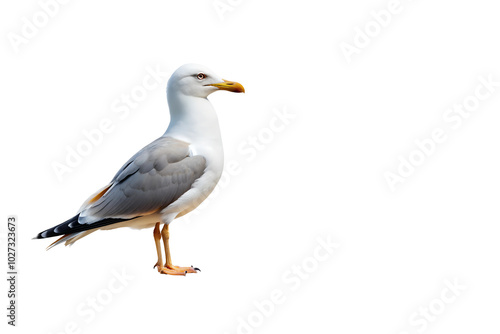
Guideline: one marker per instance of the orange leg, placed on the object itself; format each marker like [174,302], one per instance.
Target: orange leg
[168,268]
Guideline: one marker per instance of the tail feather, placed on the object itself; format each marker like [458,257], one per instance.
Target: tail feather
[69,239]
[58,241]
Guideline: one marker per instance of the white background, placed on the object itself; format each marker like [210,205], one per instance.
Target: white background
[321,176]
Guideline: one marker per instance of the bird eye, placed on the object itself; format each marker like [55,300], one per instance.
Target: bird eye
[201,76]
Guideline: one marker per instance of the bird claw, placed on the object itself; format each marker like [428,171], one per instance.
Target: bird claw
[175,270]
[196,268]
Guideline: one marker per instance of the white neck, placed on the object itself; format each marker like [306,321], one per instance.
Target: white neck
[194,120]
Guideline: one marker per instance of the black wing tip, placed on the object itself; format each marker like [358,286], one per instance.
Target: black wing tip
[67,228]
[51,232]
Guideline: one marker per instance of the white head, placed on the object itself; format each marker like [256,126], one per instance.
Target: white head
[199,81]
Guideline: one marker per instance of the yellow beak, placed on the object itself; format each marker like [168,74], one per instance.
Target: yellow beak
[231,86]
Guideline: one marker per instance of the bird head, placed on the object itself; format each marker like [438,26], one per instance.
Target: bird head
[199,81]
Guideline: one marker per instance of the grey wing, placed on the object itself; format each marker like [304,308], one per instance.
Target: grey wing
[151,180]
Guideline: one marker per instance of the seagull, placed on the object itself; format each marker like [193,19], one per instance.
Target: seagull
[167,178]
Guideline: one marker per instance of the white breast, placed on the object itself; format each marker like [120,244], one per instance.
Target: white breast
[197,125]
